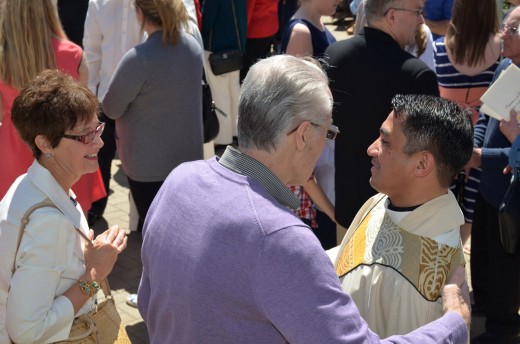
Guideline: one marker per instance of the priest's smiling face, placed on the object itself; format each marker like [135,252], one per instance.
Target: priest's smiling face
[393,169]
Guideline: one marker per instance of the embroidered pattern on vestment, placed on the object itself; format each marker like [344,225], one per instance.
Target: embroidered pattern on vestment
[422,261]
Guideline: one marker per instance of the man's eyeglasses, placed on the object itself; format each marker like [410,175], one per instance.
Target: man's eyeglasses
[332,130]
[512,30]
[88,137]
[419,12]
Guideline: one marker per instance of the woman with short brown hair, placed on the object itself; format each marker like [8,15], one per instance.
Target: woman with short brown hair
[56,274]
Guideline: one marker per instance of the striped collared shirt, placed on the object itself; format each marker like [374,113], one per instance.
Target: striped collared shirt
[245,165]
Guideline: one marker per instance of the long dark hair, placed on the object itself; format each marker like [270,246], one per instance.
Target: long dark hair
[471,24]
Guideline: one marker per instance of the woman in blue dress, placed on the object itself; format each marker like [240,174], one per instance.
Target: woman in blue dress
[305,34]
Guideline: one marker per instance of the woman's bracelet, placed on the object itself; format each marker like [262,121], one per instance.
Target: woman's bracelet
[89,289]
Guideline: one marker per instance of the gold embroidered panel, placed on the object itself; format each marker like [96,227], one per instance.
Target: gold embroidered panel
[422,261]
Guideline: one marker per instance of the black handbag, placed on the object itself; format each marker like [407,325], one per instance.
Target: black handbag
[509,210]
[209,115]
[225,61]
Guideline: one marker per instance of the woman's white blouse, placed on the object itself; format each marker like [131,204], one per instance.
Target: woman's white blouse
[49,261]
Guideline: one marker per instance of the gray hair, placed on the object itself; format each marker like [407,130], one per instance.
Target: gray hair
[376,9]
[278,94]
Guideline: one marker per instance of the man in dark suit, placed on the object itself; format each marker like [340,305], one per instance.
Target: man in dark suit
[365,73]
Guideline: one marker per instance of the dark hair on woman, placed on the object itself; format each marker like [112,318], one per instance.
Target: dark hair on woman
[471,24]
[439,126]
[170,15]
[50,104]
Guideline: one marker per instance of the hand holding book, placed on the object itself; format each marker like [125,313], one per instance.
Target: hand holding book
[503,96]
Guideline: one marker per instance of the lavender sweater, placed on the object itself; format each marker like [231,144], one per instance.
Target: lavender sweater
[247,273]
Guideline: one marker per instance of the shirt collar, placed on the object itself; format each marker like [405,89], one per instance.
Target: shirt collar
[373,33]
[43,180]
[245,165]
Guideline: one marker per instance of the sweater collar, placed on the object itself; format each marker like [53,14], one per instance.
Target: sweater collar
[243,164]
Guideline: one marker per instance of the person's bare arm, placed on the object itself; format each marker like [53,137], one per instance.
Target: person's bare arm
[99,259]
[319,198]
[300,43]
[439,27]
[455,296]
[474,161]
[83,71]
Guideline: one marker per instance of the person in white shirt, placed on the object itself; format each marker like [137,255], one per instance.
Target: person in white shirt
[111,29]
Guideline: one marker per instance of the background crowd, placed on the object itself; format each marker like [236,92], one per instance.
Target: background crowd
[144,60]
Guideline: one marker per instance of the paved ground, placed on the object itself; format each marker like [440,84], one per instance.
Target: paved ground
[124,279]
[125,276]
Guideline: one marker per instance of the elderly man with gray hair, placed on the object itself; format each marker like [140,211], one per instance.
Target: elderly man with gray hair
[257,274]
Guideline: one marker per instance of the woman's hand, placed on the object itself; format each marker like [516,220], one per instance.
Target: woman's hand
[474,161]
[102,255]
[511,128]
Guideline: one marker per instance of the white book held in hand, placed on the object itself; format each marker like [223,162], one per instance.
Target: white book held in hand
[503,95]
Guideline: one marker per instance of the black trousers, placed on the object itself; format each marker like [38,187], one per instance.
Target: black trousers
[495,275]
[143,194]
[256,48]
[326,231]
[105,157]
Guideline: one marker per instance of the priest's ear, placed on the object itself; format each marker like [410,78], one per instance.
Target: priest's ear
[425,165]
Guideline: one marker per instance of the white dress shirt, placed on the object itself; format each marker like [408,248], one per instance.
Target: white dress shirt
[49,261]
[111,29]
[427,55]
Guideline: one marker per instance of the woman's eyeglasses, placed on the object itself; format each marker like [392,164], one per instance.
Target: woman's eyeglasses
[88,137]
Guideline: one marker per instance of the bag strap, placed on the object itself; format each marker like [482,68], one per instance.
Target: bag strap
[105,286]
[236,25]
[25,220]
[236,29]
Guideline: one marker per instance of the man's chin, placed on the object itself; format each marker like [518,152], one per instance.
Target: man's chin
[373,183]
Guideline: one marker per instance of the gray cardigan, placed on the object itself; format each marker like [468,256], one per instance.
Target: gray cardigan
[155,98]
